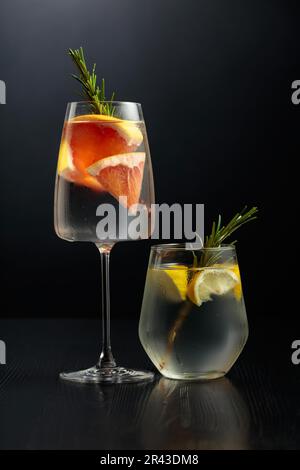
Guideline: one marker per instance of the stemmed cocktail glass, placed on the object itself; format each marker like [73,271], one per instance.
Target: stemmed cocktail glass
[104,180]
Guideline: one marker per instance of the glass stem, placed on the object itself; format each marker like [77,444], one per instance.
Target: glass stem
[106,359]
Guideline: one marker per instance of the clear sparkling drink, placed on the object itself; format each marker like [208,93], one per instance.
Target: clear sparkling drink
[193,322]
[102,161]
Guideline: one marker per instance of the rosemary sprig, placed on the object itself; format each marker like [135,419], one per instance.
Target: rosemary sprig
[91,89]
[219,233]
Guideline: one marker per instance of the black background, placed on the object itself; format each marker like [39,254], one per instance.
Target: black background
[214,79]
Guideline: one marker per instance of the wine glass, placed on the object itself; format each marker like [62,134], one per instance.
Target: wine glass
[104,181]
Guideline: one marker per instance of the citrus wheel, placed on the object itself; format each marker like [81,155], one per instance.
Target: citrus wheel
[211,281]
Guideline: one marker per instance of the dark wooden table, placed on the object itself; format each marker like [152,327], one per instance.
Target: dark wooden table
[256,407]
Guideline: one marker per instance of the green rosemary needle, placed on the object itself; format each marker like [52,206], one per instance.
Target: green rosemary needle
[220,233]
[91,90]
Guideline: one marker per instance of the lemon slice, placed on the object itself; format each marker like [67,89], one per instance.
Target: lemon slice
[178,275]
[211,281]
[237,290]
[65,161]
[170,283]
[127,129]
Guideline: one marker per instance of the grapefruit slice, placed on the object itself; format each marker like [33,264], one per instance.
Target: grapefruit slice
[121,175]
[92,137]
[78,178]
[126,129]
[66,168]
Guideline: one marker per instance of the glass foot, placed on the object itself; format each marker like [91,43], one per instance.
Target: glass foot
[109,375]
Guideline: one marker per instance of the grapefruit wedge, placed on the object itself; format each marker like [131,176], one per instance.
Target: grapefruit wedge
[121,175]
[92,137]
[88,138]
[66,168]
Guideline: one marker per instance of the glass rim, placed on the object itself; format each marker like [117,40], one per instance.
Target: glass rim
[184,247]
[105,102]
